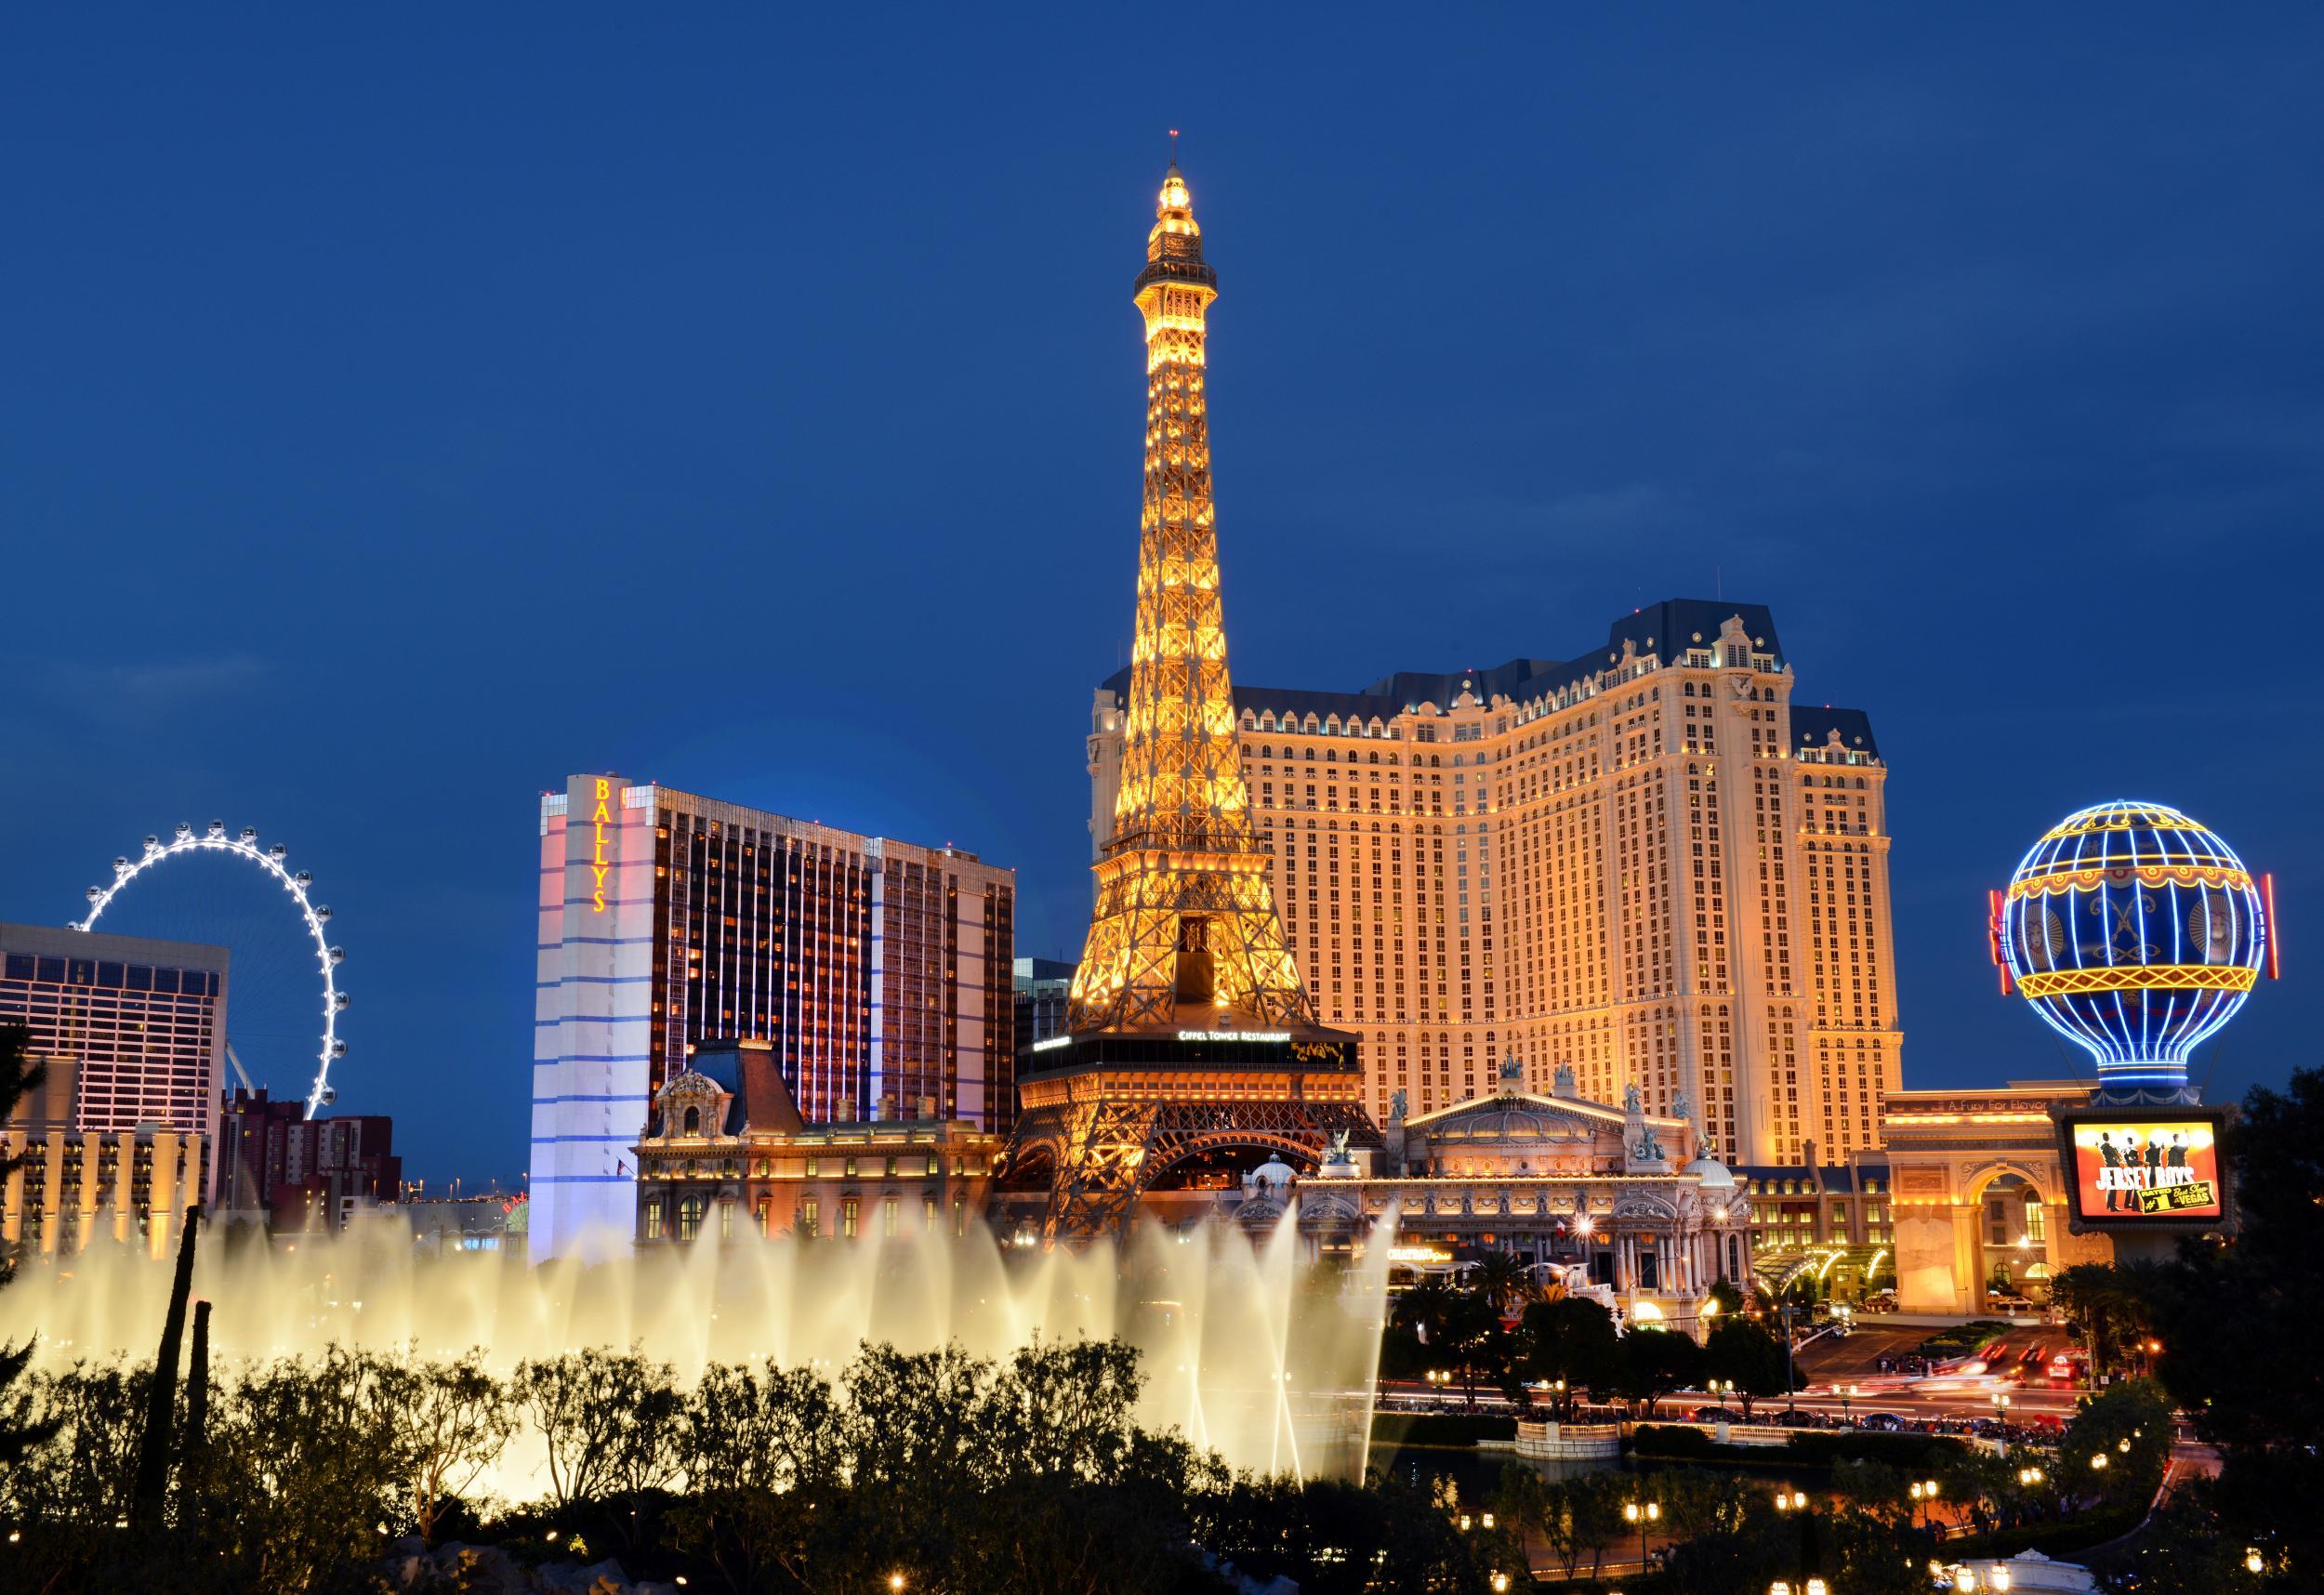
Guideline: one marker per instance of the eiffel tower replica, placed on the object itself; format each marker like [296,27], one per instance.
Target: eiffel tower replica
[1188,1031]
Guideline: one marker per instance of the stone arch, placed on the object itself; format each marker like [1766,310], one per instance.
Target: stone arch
[1977,1180]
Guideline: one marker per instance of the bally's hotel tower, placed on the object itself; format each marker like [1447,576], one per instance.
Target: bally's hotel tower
[878,971]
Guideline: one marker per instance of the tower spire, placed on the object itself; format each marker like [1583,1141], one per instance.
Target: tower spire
[1185,928]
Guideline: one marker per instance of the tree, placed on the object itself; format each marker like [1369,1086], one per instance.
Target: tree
[1650,1364]
[2129,1425]
[1751,1356]
[297,1477]
[1501,1278]
[608,1419]
[451,1421]
[19,1432]
[158,1451]
[1573,1340]
[1594,1512]
[2104,1303]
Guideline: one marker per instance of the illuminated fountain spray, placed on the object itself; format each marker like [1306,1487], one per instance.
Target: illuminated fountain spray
[1246,1350]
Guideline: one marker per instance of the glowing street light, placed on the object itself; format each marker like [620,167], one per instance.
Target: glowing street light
[1924,1494]
[1641,1514]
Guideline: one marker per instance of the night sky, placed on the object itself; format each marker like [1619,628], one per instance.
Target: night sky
[402,412]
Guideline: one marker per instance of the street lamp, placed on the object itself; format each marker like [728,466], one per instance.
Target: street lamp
[1501,1583]
[2253,1562]
[2000,1416]
[1643,1514]
[1487,1518]
[1796,1501]
[896,1581]
[2098,1462]
[1923,1493]
[1997,1577]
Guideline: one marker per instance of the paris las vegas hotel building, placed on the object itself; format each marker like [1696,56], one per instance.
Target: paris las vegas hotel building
[1648,863]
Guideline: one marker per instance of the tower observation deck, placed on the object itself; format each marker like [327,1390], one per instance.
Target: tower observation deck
[1189,1030]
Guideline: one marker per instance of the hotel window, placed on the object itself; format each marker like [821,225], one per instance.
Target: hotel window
[651,1219]
[726,1220]
[689,1216]
[928,1214]
[810,1218]
[935,1165]
[849,1208]
[810,1169]
[959,1216]
[851,1169]
[766,1216]
[888,1217]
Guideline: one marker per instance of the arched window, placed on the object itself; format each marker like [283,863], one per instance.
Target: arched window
[693,1121]
[690,1211]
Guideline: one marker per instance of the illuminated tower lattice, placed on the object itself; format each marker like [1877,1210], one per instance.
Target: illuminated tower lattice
[1191,1043]
[1186,917]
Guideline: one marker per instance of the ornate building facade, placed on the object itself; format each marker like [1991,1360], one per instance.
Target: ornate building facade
[726,1156]
[1979,1193]
[1648,863]
[1628,1197]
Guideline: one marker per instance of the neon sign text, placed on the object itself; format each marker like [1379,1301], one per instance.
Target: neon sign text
[598,821]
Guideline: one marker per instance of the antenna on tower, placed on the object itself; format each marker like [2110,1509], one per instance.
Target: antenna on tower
[1173,145]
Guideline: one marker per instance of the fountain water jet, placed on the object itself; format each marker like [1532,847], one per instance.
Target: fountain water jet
[1246,1349]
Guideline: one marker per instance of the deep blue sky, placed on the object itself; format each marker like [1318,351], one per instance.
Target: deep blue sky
[402,412]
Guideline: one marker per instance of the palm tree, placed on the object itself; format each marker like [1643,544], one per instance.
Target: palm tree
[2103,1302]
[1501,1278]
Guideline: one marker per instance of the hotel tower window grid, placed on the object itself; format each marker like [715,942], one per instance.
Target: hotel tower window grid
[144,1021]
[1654,868]
[880,972]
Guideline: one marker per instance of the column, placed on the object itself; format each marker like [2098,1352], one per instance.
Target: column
[1968,1259]
[52,1192]
[161,1195]
[124,1190]
[92,1146]
[12,1222]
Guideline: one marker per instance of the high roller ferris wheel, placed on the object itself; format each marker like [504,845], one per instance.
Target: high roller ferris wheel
[244,846]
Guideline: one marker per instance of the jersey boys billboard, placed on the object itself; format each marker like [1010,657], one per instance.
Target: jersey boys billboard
[2145,1168]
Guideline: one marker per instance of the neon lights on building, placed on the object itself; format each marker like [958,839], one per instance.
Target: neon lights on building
[598,821]
[2135,932]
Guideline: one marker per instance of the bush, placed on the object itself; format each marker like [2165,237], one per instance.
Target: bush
[1679,1442]
[1961,1338]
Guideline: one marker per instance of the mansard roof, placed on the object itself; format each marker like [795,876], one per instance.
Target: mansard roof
[1666,629]
[1812,725]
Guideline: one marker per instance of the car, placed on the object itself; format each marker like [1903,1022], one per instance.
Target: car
[1715,1414]
[1887,1422]
[1880,1301]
